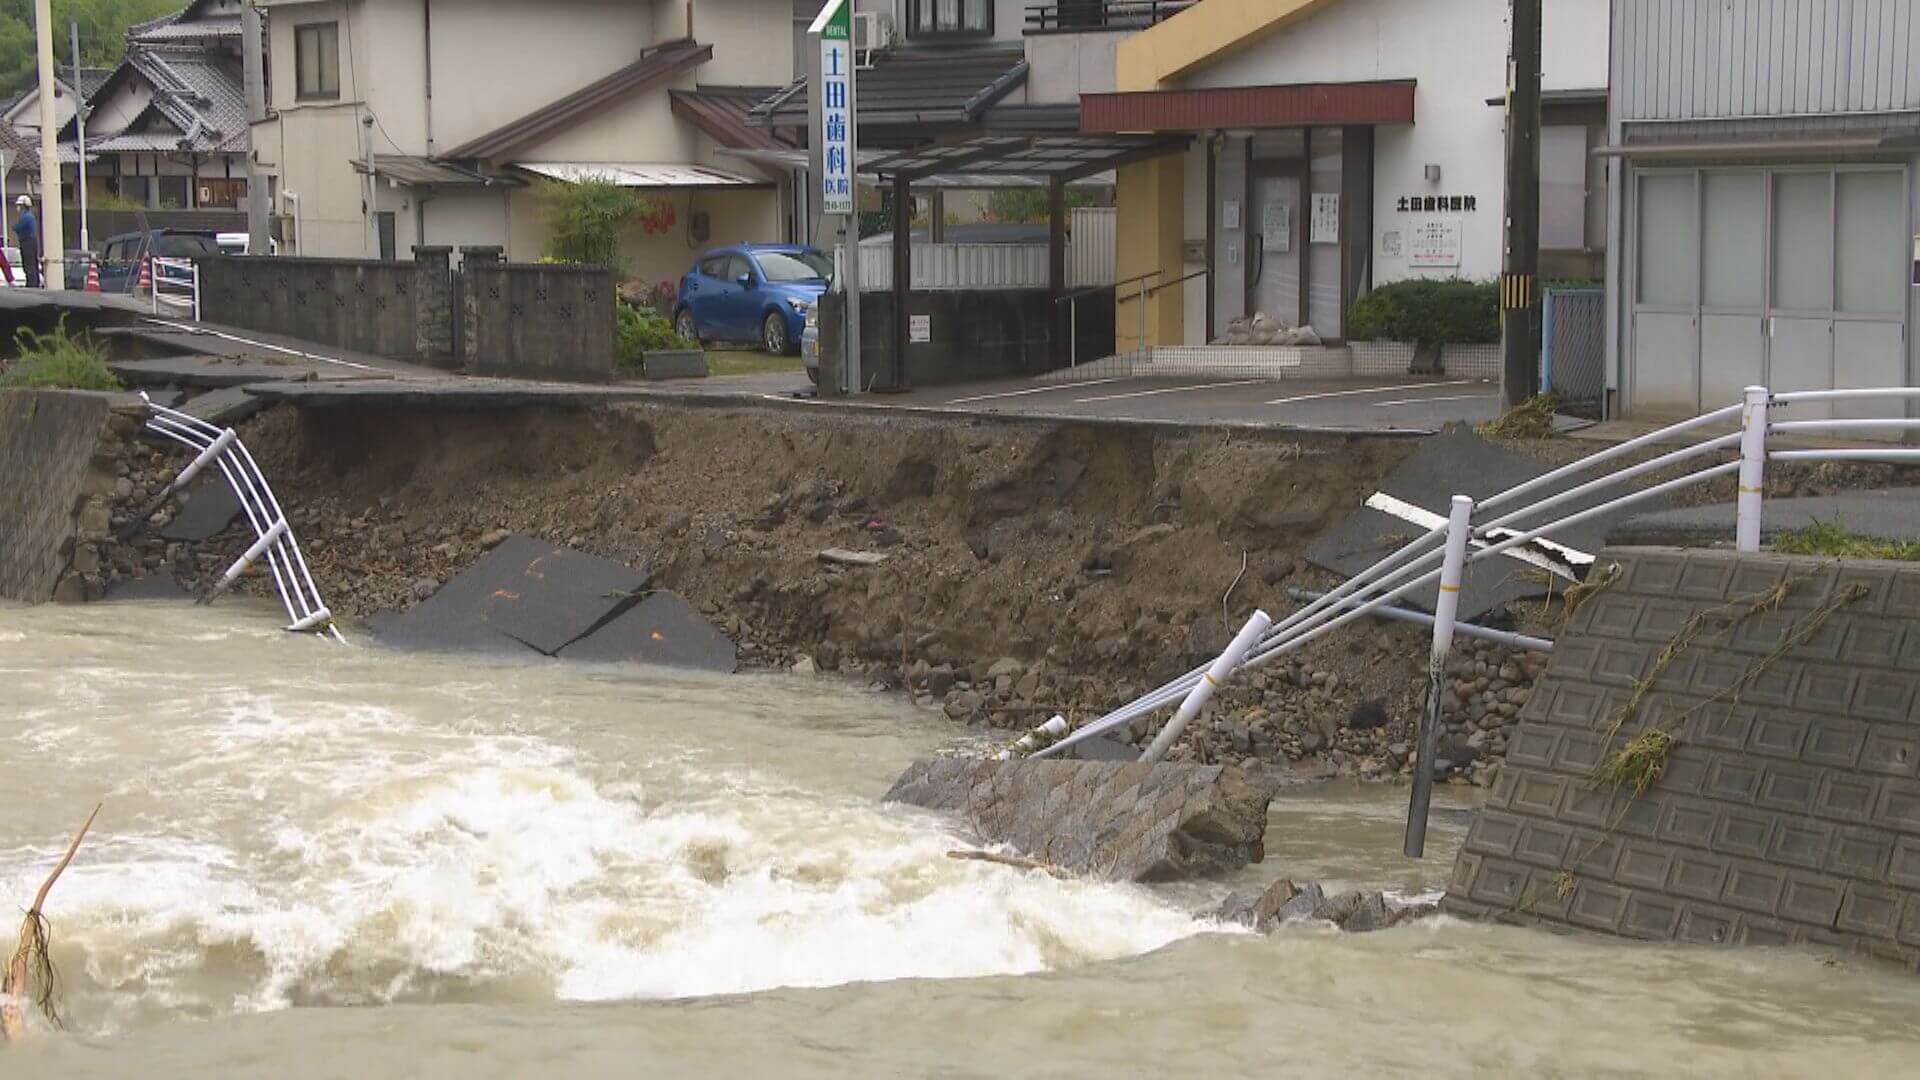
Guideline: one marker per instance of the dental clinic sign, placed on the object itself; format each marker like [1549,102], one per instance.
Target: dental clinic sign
[835,26]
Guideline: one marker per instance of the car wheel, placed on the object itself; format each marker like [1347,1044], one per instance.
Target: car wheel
[773,334]
[813,375]
[683,325]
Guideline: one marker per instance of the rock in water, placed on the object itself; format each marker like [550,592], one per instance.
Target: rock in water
[1281,902]
[1123,821]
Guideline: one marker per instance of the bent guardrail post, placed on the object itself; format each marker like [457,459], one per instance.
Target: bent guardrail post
[1202,691]
[1459,525]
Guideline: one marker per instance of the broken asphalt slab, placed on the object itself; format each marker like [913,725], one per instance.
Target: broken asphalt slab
[207,509]
[1886,514]
[224,407]
[1459,462]
[524,594]
[661,630]
[204,372]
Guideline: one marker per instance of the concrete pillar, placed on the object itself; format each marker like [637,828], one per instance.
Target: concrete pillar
[472,257]
[1150,219]
[433,312]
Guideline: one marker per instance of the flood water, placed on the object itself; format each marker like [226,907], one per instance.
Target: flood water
[318,861]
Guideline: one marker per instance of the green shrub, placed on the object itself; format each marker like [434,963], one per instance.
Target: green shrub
[640,331]
[585,219]
[59,360]
[1449,312]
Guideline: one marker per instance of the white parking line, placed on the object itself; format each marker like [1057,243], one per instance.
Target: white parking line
[191,329]
[1167,390]
[1426,400]
[1367,390]
[1034,390]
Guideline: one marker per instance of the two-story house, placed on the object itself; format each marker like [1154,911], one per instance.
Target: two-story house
[398,123]
[1767,219]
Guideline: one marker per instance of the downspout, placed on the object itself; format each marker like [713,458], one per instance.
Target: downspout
[426,36]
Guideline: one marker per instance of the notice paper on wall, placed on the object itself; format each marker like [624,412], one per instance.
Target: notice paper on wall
[1434,243]
[1276,227]
[1326,218]
[919,328]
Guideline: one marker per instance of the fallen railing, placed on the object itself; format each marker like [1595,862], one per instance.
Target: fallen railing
[1470,535]
[176,286]
[273,534]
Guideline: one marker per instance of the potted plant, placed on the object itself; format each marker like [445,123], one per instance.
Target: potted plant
[645,344]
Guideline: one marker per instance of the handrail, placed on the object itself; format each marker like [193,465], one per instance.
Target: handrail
[273,533]
[1143,293]
[1092,16]
[1413,565]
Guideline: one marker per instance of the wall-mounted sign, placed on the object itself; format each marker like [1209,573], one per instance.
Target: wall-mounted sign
[1434,243]
[1326,219]
[919,328]
[1230,214]
[1437,204]
[1390,243]
[836,111]
[1276,227]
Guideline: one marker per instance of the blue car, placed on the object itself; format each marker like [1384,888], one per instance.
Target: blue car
[753,292]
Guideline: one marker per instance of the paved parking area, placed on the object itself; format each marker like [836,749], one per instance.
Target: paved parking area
[1401,403]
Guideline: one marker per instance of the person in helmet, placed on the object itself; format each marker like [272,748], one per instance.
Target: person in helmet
[27,229]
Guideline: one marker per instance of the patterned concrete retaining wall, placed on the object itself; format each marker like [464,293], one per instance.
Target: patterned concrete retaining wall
[1789,809]
[359,304]
[540,321]
[1125,821]
[52,493]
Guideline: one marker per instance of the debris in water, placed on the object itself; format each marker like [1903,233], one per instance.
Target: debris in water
[30,974]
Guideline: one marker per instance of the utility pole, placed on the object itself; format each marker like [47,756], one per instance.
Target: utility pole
[253,75]
[53,238]
[1519,283]
[80,130]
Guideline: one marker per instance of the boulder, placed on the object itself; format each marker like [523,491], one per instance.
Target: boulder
[1122,821]
[1279,903]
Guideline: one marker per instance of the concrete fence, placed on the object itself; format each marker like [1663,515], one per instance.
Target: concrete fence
[489,317]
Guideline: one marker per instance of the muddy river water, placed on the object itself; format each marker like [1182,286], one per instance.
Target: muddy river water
[339,862]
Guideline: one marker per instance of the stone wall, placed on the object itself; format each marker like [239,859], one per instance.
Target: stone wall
[539,321]
[355,304]
[55,455]
[1125,821]
[1788,807]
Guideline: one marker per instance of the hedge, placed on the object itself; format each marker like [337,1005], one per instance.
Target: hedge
[1448,312]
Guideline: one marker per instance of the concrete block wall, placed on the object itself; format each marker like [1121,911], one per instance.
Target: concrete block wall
[1789,810]
[355,304]
[53,502]
[539,321]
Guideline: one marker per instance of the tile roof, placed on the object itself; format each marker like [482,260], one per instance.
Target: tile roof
[197,91]
[721,112]
[916,87]
[655,66]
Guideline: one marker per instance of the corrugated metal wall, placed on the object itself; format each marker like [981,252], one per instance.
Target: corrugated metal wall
[1090,256]
[1700,59]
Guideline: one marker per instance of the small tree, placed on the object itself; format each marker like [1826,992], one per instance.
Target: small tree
[586,218]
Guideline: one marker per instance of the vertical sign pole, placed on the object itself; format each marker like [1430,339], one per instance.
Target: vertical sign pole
[839,163]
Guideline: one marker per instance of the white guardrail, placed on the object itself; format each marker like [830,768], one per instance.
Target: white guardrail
[274,539]
[1473,533]
[176,286]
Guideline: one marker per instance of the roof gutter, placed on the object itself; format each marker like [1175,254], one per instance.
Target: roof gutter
[1767,148]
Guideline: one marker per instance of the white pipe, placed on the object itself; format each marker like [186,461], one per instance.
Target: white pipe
[257,549]
[1793,396]
[318,618]
[255,512]
[1420,618]
[1632,471]
[1203,690]
[213,450]
[1859,424]
[1753,470]
[1890,454]
[1459,527]
[1608,454]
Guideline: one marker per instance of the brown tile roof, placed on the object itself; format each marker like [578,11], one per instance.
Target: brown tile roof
[721,112]
[655,66]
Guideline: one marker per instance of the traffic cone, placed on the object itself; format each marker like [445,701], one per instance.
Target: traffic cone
[93,276]
[146,275]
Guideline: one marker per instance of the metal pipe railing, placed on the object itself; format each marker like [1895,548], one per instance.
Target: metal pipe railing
[1393,576]
[1509,638]
[274,536]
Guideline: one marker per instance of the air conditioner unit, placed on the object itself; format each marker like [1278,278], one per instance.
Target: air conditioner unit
[872,32]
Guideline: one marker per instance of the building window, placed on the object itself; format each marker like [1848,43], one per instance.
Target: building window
[174,192]
[131,188]
[959,18]
[1563,187]
[316,60]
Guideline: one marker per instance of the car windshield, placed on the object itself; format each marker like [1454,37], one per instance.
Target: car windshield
[795,265]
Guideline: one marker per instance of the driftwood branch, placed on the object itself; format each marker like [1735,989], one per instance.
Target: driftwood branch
[31,957]
[1015,861]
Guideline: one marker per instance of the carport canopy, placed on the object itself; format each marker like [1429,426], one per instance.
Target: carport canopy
[1061,157]
[1054,158]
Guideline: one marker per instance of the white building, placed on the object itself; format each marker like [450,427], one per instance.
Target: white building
[1344,144]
